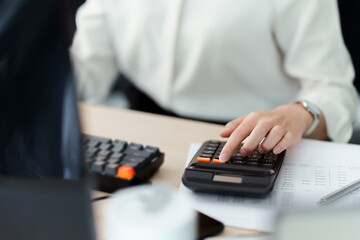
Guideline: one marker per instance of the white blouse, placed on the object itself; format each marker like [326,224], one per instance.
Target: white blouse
[219,59]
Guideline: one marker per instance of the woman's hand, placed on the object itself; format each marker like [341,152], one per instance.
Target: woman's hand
[280,128]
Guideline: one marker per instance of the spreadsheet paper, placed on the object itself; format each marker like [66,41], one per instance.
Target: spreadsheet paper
[311,170]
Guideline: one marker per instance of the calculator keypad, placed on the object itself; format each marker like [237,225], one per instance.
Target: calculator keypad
[252,175]
[116,164]
[211,150]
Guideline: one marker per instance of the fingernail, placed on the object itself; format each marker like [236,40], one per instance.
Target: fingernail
[243,152]
[223,157]
[261,150]
[277,150]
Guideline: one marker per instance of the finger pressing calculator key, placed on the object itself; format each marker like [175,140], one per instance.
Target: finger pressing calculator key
[252,175]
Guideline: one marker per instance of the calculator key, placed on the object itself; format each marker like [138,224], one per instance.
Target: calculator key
[92,150]
[242,158]
[111,169]
[133,159]
[215,160]
[119,146]
[136,146]
[104,146]
[92,144]
[210,149]
[267,165]
[100,158]
[212,145]
[120,142]
[125,172]
[137,163]
[268,161]
[202,159]
[116,155]
[137,153]
[152,150]
[117,149]
[130,164]
[255,154]
[114,160]
[90,154]
[206,155]
[208,152]
[218,152]
[254,164]
[271,156]
[98,166]
[238,155]
[104,153]
[238,162]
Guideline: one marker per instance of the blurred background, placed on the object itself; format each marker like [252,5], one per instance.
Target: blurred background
[349,15]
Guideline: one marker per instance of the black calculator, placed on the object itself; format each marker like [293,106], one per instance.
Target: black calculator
[116,164]
[252,175]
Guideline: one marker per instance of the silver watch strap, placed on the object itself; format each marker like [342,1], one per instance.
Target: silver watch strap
[314,111]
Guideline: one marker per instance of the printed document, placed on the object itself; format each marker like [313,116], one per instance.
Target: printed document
[310,170]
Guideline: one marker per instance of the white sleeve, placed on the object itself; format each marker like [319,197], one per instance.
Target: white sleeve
[309,35]
[92,53]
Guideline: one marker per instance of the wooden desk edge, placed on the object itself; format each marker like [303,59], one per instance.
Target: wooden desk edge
[100,121]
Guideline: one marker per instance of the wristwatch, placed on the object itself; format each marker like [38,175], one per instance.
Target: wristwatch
[315,112]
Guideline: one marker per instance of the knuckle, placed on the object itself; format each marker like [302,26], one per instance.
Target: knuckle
[278,130]
[263,128]
[254,115]
[229,124]
[290,135]
[233,123]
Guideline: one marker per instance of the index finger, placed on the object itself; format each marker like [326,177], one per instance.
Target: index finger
[231,126]
[237,136]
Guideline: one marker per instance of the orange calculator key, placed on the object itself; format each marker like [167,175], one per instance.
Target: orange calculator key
[125,172]
[203,159]
[217,161]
